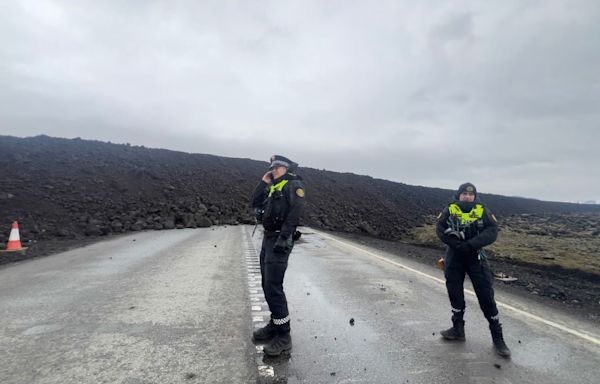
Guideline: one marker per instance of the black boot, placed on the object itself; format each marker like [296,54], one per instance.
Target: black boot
[282,342]
[457,332]
[265,333]
[498,338]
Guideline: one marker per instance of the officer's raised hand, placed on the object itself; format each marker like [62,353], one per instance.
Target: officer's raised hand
[268,178]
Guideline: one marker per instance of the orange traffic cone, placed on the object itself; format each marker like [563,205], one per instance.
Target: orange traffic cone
[14,240]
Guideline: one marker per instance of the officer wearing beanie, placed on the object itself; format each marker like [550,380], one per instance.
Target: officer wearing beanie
[466,226]
[278,200]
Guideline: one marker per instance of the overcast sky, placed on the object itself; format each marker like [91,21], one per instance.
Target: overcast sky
[505,94]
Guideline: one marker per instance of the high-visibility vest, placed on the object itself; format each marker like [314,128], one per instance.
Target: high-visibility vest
[467,218]
[277,187]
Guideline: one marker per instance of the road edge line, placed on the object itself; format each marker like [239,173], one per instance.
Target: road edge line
[499,303]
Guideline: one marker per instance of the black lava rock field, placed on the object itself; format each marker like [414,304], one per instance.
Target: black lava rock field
[68,191]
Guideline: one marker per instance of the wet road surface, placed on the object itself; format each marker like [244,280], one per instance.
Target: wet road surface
[398,313]
[179,306]
[152,307]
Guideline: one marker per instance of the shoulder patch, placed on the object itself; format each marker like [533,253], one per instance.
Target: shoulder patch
[299,192]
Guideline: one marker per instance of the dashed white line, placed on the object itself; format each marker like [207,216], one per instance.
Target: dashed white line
[266,370]
[258,306]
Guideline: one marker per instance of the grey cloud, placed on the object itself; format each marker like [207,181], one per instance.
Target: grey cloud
[431,93]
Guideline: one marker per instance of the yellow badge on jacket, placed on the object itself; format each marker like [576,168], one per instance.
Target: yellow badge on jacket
[300,192]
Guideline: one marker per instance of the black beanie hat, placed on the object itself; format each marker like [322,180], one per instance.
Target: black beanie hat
[466,187]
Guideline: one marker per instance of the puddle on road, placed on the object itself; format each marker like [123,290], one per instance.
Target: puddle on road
[42,329]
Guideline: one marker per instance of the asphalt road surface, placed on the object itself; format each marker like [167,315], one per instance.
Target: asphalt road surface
[152,307]
[179,307]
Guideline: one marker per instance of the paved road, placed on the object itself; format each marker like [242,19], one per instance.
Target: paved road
[170,307]
[153,307]
[399,307]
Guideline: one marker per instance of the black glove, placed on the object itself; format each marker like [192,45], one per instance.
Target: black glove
[465,247]
[258,214]
[452,241]
[281,245]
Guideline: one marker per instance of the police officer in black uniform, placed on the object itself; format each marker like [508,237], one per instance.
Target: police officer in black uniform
[466,226]
[278,200]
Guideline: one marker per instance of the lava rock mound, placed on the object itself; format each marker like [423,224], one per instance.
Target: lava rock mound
[69,189]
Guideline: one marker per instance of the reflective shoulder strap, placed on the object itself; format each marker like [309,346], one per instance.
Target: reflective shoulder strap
[454,210]
[277,187]
[478,211]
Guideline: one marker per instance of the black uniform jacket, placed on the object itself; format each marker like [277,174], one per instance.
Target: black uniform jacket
[282,210]
[476,237]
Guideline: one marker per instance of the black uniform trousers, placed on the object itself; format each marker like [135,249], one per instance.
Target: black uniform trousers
[457,265]
[272,269]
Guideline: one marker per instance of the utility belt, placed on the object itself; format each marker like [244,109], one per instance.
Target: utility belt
[271,233]
[295,236]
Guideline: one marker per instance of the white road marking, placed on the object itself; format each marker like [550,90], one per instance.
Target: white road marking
[266,370]
[563,328]
[257,303]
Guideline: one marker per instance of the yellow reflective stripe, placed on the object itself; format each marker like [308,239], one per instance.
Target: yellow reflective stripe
[277,187]
[466,217]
